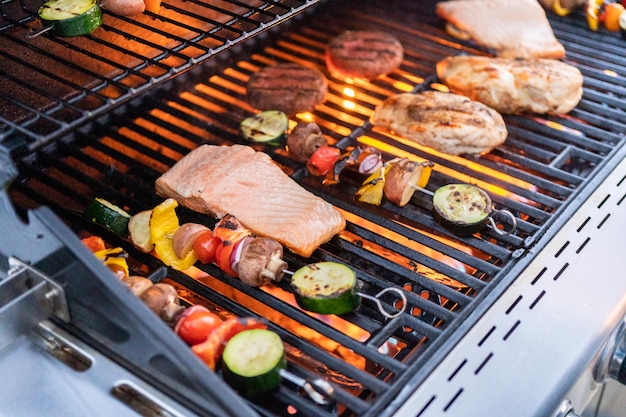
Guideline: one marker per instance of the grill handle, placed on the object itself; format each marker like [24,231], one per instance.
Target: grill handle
[617,366]
[566,409]
[612,363]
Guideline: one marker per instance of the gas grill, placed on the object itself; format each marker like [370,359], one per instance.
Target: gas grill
[106,114]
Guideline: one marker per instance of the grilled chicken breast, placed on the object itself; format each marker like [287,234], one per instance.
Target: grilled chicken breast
[512,28]
[514,85]
[446,122]
[290,88]
[237,180]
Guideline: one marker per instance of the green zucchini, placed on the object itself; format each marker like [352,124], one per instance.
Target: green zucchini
[71,17]
[253,360]
[108,215]
[326,288]
[267,127]
[462,208]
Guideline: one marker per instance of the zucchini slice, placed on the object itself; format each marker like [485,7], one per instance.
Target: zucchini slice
[71,17]
[267,127]
[462,208]
[109,215]
[326,288]
[252,361]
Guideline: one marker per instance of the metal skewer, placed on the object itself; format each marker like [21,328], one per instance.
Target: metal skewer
[318,389]
[36,32]
[376,299]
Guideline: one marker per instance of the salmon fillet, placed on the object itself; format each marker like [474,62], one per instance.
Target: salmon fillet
[514,85]
[447,122]
[237,180]
[513,28]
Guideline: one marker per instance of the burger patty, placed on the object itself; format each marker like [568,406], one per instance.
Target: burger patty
[363,54]
[290,88]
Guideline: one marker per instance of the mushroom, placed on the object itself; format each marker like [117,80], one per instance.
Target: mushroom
[261,262]
[402,180]
[163,300]
[304,140]
[136,284]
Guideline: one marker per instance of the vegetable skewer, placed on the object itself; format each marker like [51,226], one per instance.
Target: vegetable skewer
[323,287]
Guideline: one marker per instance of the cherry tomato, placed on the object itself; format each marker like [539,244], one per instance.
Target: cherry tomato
[196,327]
[210,351]
[611,16]
[222,257]
[323,160]
[205,247]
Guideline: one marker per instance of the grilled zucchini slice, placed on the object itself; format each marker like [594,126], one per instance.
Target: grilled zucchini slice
[107,214]
[253,360]
[326,288]
[267,127]
[462,208]
[71,17]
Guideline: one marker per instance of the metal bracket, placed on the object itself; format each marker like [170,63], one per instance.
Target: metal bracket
[50,293]
[26,298]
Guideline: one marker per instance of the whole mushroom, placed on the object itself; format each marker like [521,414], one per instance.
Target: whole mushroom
[163,300]
[304,140]
[261,262]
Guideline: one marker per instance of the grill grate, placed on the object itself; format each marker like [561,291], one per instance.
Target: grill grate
[50,86]
[544,165]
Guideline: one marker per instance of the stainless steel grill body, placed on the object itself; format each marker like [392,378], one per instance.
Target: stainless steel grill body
[544,173]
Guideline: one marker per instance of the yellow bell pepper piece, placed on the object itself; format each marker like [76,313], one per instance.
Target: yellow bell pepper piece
[371,192]
[560,10]
[112,258]
[427,169]
[592,10]
[163,225]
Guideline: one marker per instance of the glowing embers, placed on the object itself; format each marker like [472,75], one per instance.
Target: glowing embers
[417,247]
[560,127]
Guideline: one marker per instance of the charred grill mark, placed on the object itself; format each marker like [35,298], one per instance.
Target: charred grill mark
[285,81]
[60,10]
[365,54]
